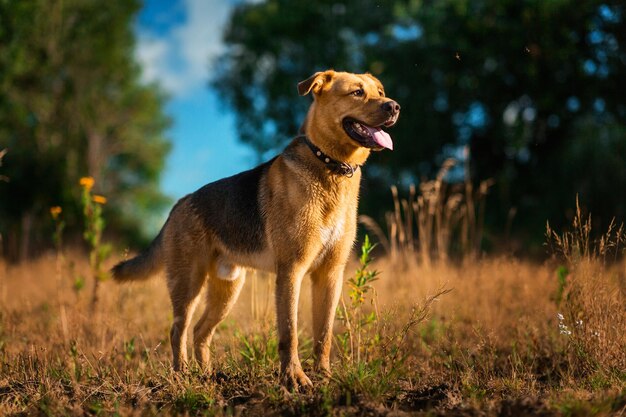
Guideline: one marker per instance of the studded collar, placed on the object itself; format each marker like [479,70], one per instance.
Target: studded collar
[334,166]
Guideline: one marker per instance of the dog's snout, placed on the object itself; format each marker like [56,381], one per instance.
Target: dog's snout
[391,107]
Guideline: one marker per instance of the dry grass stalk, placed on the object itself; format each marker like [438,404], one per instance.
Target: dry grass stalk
[448,220]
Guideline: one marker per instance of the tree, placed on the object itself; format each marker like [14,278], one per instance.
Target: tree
[71,105]
[525,85]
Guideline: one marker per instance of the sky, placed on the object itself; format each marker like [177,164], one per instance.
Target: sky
[176,40]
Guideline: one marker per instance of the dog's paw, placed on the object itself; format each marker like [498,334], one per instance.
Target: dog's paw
[294,379]
[323,370]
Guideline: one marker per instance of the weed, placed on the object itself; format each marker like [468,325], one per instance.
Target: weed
[355,319]
[94,226]
[129,349]
[193,401]
[258,350]
[78,284]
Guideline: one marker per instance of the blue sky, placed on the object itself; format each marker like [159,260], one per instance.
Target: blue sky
[176,39]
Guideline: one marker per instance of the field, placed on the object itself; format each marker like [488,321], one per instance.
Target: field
[490,336]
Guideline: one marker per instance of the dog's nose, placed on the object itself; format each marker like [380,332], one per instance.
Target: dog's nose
[391,107]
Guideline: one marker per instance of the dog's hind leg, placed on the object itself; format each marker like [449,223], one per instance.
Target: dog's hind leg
[224,284]
[184,283]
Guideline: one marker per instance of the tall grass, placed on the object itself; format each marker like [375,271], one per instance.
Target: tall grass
[439,220]
[592,294]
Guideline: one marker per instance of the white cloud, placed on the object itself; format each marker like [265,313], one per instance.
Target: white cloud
[179,58]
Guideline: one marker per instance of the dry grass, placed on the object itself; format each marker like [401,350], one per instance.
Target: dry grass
[416,334]
[478,336]
[491,346]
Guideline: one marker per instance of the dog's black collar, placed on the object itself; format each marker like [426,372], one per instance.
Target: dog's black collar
[334,166]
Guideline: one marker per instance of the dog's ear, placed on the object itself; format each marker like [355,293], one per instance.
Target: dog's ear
[315,82]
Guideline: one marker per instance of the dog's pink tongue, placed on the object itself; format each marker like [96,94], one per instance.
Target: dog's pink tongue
[381,137]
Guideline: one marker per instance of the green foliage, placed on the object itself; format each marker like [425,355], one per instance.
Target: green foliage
[561,275]
[360,284]
[79,284]
[71,102]
[356,320]
[529,86]
[193,401]
[258,350]
[129,349]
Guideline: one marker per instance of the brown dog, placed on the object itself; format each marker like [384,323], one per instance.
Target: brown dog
[293,215]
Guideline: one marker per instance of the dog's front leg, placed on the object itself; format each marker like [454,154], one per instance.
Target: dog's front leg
[326,291]
[288,282]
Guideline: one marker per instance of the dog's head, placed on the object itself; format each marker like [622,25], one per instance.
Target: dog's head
[349,110]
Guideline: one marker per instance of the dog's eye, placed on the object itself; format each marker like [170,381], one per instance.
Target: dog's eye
[382,93]
[358,93]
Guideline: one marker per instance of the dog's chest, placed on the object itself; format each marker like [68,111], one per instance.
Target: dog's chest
[334,215]
[331,233]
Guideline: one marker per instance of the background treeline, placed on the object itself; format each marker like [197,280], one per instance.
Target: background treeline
[532,91]
[71,105]
[529,93]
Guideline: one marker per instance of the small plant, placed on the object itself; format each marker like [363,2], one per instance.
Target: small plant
[57,238]
[561,275]
[75,364]
[257,349]
[353,315]
[78,284]
[94,226]
[373,347]
[129,349]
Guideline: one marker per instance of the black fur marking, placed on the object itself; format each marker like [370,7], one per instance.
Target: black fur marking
[230,208]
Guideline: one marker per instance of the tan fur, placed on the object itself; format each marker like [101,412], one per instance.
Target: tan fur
[307,225]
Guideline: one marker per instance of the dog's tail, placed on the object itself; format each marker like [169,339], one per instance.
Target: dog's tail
[142,266]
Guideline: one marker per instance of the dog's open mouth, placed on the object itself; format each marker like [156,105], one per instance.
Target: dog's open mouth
[368,136]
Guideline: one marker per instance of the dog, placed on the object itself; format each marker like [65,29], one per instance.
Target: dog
[293,215]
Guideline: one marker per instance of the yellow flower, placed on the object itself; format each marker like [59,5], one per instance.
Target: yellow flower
[55,211]
[87,182]
[99,199]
